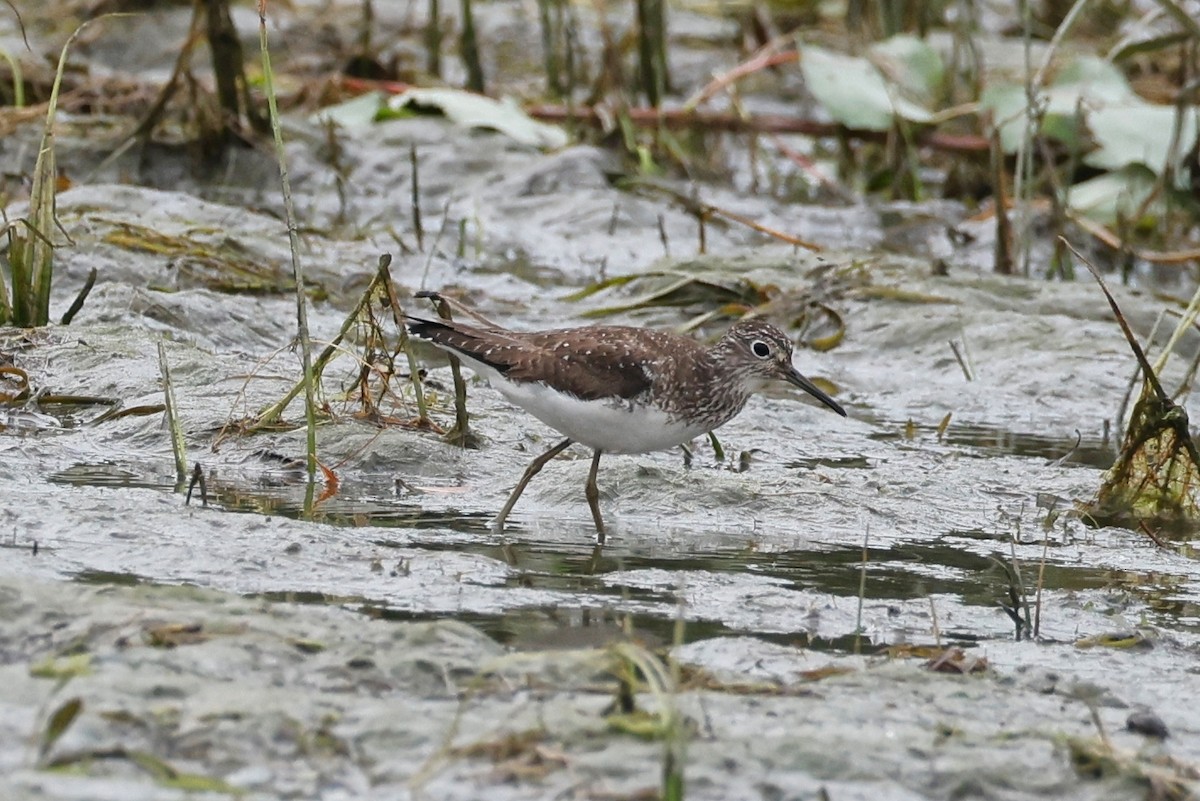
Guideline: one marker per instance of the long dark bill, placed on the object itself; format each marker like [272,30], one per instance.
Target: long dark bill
[798,380]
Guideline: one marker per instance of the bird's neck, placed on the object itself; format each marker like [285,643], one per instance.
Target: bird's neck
[724,393]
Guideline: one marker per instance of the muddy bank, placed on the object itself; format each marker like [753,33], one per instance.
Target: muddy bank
[764,564]
[274,700]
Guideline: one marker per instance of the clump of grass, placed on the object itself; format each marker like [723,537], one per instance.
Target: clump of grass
[1156,477]
[379,293]
[310,414]
[669,724]
[178,444]
[30,250]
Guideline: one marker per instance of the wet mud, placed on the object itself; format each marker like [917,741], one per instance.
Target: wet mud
[390,645]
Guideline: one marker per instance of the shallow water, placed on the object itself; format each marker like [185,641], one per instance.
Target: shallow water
[776,546]
[816,543]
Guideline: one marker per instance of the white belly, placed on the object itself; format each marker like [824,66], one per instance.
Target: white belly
[611,426]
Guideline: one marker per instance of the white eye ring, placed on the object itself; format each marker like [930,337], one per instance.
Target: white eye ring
[760,349]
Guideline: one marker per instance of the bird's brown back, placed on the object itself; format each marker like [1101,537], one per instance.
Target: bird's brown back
[590,363]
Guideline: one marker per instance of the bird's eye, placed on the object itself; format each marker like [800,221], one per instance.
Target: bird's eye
[761,349]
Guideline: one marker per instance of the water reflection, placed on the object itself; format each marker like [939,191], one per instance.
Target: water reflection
[1070,449]
[561,590]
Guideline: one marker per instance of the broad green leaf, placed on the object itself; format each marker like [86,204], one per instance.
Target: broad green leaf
[476,111]
[912,65]
[1092,78]
[854,92]
[1082,85]
[1091,109]
[358,112]
[1137,133]
[1114,195]
[1006,104]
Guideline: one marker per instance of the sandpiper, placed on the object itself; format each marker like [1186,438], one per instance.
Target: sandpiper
[618,389]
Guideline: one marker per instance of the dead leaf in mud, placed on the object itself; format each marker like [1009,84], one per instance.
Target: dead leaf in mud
[940,659]
[710,295]
[172,635]
[699,679]
[956,660]
[224,266]
[518,756]
[817,674]
[505,747]
[62,668]
[161,771]
[899,295]
[14,384]
[825,329]
[640,723]
[1166,778]
[307,646]
[674,288]
[1125,640]
[116,413]
[57,726]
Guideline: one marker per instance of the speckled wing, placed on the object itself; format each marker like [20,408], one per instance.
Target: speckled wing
[589,364]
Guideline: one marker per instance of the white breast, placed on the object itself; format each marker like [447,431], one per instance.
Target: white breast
[613,426]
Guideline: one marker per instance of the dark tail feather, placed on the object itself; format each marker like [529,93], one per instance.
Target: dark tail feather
[431,330]
[456,338]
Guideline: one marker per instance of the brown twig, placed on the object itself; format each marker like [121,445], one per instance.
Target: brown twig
[703,211]
[1110,239]
[384,276]
[1145,529]
[461,433]
[767,56]
[646,117]
[760,123]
